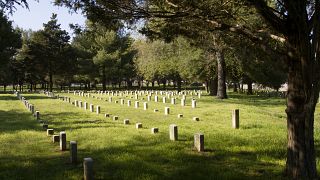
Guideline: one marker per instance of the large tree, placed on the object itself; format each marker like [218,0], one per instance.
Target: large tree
[292,22]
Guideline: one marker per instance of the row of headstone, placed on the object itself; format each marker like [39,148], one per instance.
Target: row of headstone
[141,93]
[61,138]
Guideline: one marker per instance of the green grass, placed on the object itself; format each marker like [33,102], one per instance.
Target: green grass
[255,151]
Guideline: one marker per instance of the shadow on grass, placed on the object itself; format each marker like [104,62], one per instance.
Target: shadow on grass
[8,97]
[141,158]
[15,120]
[241,99]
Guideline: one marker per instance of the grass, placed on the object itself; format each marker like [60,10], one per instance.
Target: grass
[255,151]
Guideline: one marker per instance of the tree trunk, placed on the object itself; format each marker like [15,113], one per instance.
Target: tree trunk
[4,87]
[221,68]
[301,102]
[213,86]
[249,83]
[104,79]
[235,87]
[179,83]
[152,84]
[50,81]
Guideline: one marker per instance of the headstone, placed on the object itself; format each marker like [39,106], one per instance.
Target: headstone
[183,102]
[156,99]
[164,99]
[145,105]
[110,99]
[126,121]
[107,115]
[50,132]
[199,142]
[85,105]
[116,101]
[80,104]
[98,109]
[136,104]
[155,110]
[88,169]
[129,102]
[194,103]
[122,101]
[37,115]
[154,130]
[63,141]
[73,152]
[91,108]
[75,103]
[235,119]
[195,119]
[149,98]
[166,110]
[139,125]
[173,130]
[55,138]
[180,115]
[173,101]
[115,118]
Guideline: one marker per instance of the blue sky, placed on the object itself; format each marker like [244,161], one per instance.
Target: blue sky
[40,12]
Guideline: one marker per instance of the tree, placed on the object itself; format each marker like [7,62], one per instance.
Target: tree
[294,23]
[10,42]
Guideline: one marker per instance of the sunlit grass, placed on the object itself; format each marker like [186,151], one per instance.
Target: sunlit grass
[256,150]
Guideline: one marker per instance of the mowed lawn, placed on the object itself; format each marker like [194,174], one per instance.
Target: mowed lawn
[255,151]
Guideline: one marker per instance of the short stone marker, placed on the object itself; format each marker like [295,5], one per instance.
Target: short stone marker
[173,101]
[115,118]
[180,115]
[98,109]
[55,138]
[136,104]
[193,103]
[126,121]
[75,103]
[116,101]
[107,115]
[139,125]
[63,141]
[164,99]
[85,106]
[50,132]
[155,110]
[166,110]
[156,99]
[129,103]
[37,115]
[173,131]
[199,142]
[88,169]
[91,108]
[149,98]
[122,101]
[110,99]
[235,119]
[145,106]
[196,119]
[154,130]
[73,152]
[183,102]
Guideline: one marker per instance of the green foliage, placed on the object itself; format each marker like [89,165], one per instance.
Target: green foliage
[158,59]
[10,41]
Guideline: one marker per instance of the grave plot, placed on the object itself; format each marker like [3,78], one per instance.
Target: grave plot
[122,151]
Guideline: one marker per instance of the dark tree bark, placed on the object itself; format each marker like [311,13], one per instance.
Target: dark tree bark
[249,84]
[179,83]
[221,68]
[235,87]
[213,86]
[104,79]
[152,84]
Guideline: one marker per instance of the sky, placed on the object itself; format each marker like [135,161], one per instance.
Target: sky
[40,12]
